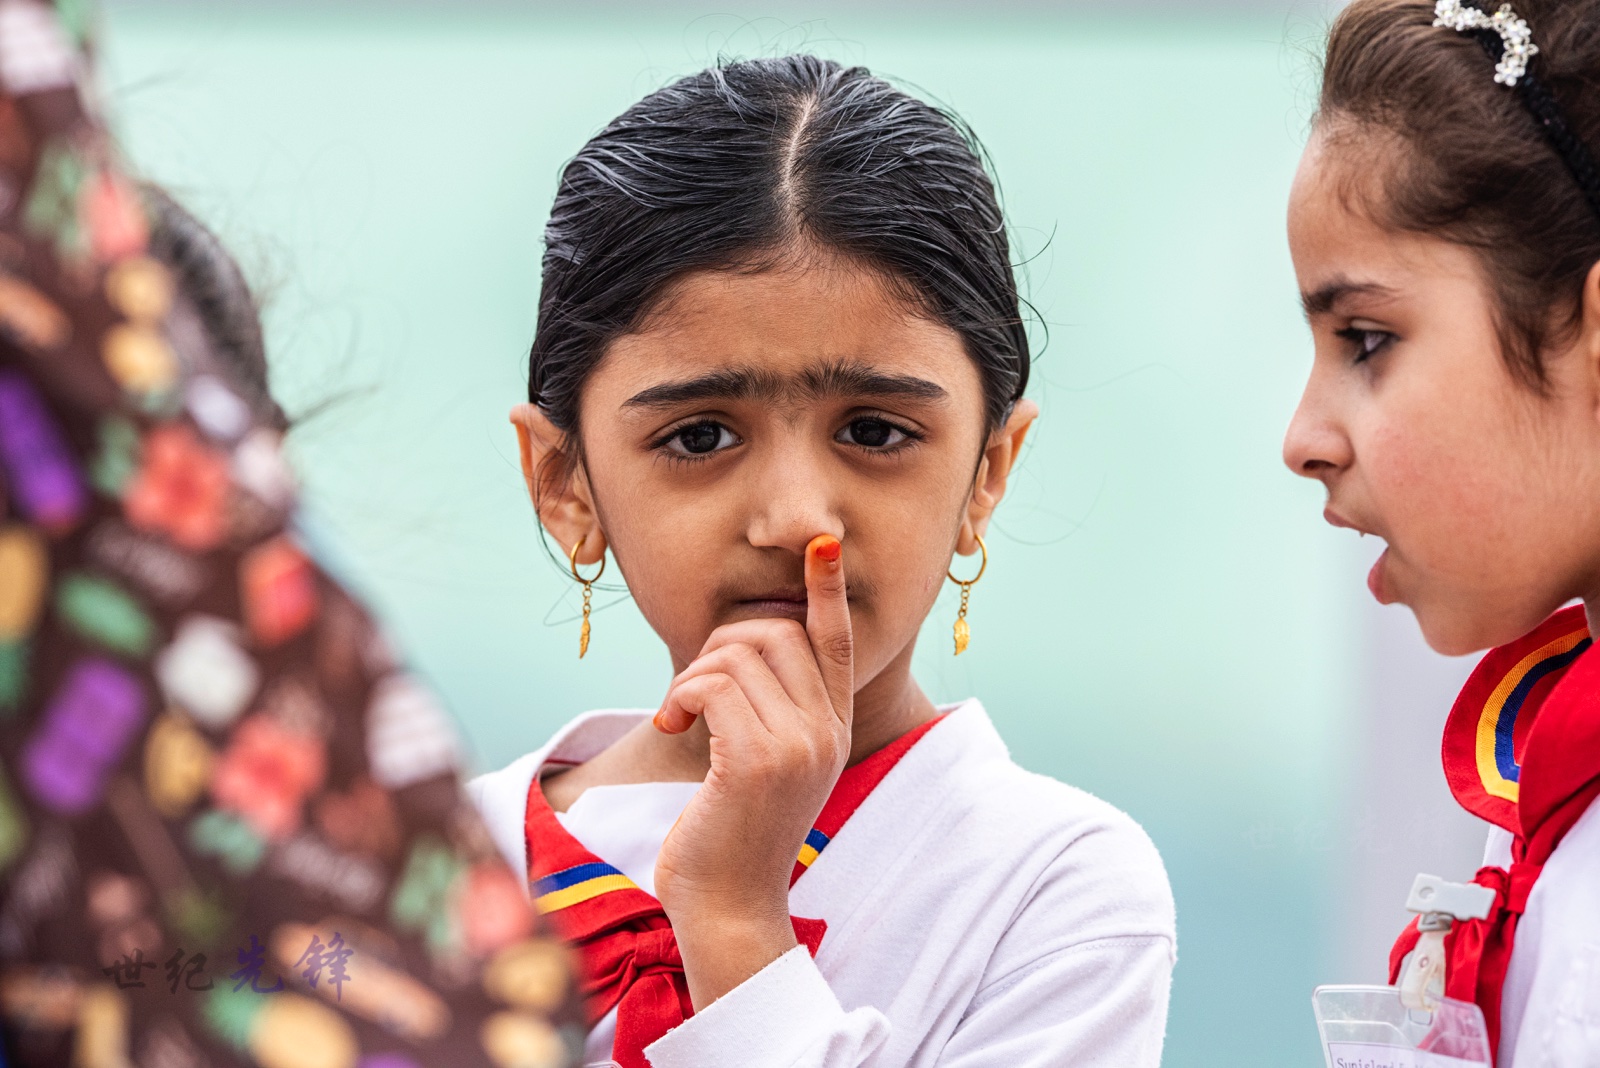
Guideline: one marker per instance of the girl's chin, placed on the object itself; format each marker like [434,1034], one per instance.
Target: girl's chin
[1463,631]
[1448,640]
[1378,581]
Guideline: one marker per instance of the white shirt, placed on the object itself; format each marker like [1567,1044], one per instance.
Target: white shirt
[979,916]
[1550,1004]
[628,824]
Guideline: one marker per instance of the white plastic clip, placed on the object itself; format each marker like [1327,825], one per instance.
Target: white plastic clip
[1440,903]
[1459,901]
[1422,978]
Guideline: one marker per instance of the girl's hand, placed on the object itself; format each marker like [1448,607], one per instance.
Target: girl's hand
[777,699]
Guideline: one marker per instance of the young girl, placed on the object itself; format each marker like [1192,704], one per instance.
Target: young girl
[1445,228]
[778,375]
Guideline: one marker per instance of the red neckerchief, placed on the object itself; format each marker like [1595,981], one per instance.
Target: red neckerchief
[1521,750]
[630,957]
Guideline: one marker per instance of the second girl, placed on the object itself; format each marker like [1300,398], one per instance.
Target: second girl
[1445,228]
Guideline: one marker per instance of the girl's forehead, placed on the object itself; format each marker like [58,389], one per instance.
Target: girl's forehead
[1345,253]
[787,333]
[1338,245]
[814,299]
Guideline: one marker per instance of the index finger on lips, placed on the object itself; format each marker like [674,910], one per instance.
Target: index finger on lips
[828,622]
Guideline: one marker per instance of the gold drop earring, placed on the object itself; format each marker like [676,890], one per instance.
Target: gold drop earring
[964,632]
[588,593]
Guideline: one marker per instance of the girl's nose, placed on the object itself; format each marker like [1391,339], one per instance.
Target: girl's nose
[792,500]
[1315,446]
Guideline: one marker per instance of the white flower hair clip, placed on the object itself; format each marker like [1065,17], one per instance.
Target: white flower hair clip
[1513,31]
[1508,41]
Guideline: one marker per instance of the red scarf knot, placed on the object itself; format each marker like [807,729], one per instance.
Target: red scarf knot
[640,973]
[614,961]
[1519,884]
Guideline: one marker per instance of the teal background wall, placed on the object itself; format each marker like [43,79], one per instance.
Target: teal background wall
[1166,621]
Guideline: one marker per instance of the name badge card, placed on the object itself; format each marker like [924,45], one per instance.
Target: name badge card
[1369,1027]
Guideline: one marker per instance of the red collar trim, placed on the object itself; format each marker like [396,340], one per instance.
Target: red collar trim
[1489,741]
[581,894]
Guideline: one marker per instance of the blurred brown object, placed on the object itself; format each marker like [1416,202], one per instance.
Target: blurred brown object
[232,828]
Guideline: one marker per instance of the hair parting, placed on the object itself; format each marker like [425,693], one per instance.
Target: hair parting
[744,164]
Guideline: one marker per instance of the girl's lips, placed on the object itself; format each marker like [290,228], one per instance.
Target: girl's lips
[1334,519]
[1375,579]
[773,608]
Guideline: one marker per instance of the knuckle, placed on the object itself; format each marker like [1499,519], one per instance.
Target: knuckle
[831,752]
[699,691]
[742,653]
[708,664]
[832,582]
[721,685]
[839,645]
[814,755]
[723,634]
[788,630]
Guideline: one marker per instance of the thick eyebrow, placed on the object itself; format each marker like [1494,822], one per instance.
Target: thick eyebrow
[742,383]
[845,378]
[1323,300]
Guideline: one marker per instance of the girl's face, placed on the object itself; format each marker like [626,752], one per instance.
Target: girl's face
[1487,493]
[755,410]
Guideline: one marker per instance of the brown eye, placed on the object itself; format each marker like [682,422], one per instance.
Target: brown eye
[870,433]
[1367,343]
[701,439]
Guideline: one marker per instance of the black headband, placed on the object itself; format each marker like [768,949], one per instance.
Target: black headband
[1508,41]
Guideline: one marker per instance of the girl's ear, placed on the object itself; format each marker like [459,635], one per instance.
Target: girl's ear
[1005,445]
[557,485]
[1589,339]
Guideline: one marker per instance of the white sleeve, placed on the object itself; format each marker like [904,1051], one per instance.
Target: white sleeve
[784,1016]
[1099,1003]
[1096,1003]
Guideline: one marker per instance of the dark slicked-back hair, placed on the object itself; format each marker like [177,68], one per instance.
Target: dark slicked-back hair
[731,167]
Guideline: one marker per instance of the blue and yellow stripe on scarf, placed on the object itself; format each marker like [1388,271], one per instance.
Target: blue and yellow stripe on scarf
[563,889]
[575,885]
[1498,769]
[815,843]
[1480,744]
